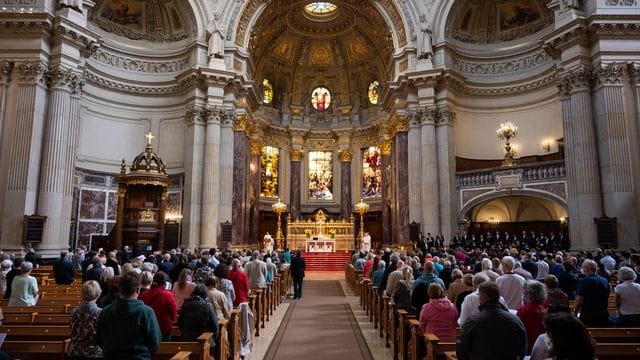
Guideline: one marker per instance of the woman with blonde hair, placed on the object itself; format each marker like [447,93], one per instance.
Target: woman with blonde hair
[84,322]
[402,294]
[183,287]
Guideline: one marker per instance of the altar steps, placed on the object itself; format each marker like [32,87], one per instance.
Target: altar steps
[326,261]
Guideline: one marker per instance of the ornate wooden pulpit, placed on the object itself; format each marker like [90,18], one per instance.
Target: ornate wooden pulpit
[142,200]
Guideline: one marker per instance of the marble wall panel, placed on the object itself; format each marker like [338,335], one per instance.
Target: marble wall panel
[92,204]
[85,229]
[112,206]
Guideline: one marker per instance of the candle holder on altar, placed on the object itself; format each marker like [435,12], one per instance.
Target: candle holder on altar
[279,208]
[507,131]
[361,208]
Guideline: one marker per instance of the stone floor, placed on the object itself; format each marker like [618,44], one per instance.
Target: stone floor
[373,342]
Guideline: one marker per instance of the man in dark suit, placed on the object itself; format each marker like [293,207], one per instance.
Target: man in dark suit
[63,269]
[297,273]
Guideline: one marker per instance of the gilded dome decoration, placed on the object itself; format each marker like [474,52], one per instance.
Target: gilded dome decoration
[493,21]
[151,20]
[148,162]
[320,11]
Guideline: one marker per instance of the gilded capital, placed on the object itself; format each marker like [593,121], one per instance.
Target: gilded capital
[241,123]
[399,123]
[296,155]
[385,147]
[345,155]
[255,147]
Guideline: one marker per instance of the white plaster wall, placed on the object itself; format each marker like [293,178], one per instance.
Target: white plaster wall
[475,135]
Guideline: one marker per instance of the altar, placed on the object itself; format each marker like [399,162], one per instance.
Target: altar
[318,234]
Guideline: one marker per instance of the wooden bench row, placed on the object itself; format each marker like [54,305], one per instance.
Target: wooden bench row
[401,332]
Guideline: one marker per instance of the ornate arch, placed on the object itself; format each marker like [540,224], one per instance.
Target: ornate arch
[510,192]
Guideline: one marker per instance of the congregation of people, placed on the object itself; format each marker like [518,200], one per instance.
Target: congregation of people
[130,304]
[509,297]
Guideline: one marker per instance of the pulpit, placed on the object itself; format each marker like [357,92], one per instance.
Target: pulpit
[142,200]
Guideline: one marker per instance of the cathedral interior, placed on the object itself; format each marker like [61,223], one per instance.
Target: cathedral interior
[210,123]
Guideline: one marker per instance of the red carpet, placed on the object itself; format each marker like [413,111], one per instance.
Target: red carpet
[326,261]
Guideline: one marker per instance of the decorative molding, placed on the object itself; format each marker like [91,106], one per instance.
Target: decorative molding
[255,146]
[196,114]
[621,3]
[446,115]
[426,116]
[276,141]
[398,123]
[345,155]
[512,66]
[29,73]
[385,147]
[6,70]
[634,72]
[244,19]
[146,89]
[320,143]
[241,123]
[296,155]
[64,78]
[467,89]
[396,19]
[144,66]
[578,79]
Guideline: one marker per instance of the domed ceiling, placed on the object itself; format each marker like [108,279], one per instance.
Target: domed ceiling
[151,20]
[343,49]
[492,21]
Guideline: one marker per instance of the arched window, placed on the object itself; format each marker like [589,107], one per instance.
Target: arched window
[267,92]
[321,98]
[374,92]
[320,8]
[270,164]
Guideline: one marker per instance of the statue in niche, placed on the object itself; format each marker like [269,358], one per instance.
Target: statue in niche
[306,102]
[425,49]
[355,103]
[571,4]
[216,38]
[285,107]
[72,4]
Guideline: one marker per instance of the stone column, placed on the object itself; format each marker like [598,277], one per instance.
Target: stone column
[58,159]
[415,174]
[163,212]
[583,169]
[429,172]
[255,147]
[446,170]
[211,179]
[196,118]
[345,183]
[635,148]
[6,69]
[226,167]
[402,186]
[25,152]
[295,156]
[387,194]
[613,149]
[240,184]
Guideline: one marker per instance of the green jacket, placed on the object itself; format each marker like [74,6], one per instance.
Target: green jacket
[128,329]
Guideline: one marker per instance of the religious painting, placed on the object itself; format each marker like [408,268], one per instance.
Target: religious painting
[267,91]
[321,98]
[125,12]
[285,50]
[371,172]
[374,92]
[320,55]
[269,165]
[356,49]
[320,175]
[518,14]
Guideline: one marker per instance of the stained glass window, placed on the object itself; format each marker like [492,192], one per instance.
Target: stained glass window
[371,172]
[267,91]
[320,8]
[321,98]
[373,93]
[320,175]
[269,163]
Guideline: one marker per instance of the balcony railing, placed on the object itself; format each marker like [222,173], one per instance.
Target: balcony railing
[550,170]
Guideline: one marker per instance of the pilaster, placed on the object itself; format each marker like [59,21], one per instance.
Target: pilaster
[255,146]
[616,173]
[295,157]
[26,149]
[346,156]
[196,118]
[240,183]
[210,220]
[446,169]
[429,170]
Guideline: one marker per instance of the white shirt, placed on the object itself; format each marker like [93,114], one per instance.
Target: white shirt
[511,287]
[470,306]
[629,294]
[541,348]
[609,263]
[543,270]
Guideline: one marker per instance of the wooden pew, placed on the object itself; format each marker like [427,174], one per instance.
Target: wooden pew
[618,351]
[233,330]
[393,331]
[417,348]
[385,319]
[56,309]
[37,349]
[615,335]
[182,355]
[404,333]
[199,349]
[29,332]
[436,348]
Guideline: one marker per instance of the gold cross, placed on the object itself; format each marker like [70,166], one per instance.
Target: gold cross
[149,138]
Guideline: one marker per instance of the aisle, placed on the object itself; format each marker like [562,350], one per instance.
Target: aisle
[319,326]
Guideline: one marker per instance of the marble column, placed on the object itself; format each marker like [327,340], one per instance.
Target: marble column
[401,147]
[345,183]
[25,152]
[613,149]
[387,193]
[240,184]
[58,157]
[255,147]
[295,156]
[415,175]
[226,167]
[196,118]
[429,172]
[211,179]
[446,170]
[583,169]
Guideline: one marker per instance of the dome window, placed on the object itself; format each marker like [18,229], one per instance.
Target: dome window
[321,98]
[320,11]
[267,92]
[374,92]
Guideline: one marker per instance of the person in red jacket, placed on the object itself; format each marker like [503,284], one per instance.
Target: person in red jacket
[162,303]
[533,311]
[240,282]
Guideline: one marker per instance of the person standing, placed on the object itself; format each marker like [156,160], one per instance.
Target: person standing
[24,288]
[163,304]
[84,320]
[256,271]
[127,328]
[297,273]
[592,298]
[240,282]
[63,269]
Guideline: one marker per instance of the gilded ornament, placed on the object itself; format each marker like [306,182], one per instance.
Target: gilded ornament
[255,146]
[241,123]
[345,155]
[385,147]
[296,155]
